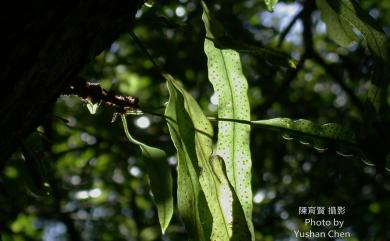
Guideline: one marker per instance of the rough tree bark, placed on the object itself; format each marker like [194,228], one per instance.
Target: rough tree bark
[47,43]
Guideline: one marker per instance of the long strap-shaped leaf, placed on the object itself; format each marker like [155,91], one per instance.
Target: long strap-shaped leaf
[192,204]
[320,136]
[333,135]
[160,178]
[192,134]
[225,74]
[222,40]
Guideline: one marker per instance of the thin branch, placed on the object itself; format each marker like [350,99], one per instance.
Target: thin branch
[93,92]
[307,34]
[288,28]
[145,51]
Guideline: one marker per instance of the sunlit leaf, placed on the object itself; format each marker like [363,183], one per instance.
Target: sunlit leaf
[192,134]
[223,41]
[149,3]
[231,87]
[160,178]
[229,202]
[92,107]
[191,200]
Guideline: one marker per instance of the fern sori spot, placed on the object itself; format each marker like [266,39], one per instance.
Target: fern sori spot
[225,74]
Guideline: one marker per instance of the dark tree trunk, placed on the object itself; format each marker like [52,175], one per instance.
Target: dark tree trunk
[47,43]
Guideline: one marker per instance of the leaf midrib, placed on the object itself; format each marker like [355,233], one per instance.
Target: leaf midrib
[233,99]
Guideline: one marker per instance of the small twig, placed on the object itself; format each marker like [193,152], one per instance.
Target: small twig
[288,28]
[145,50]
[94,93]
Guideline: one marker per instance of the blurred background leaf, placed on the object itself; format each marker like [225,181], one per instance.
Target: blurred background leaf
[98,186]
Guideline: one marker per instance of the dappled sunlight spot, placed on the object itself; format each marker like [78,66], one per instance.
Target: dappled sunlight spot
[82,195]
[214,99]
[82,214]
[124,230]
[54,231]
[100,212]
[308,77]
[118,177]
[306,166]
[114,47]
[332,57]
[87,138]
[168,12]
[142,122]
[131,161]
[69,207]
[110,58]
[271,194]
[287,179]
[284,215]
[320,27]
[375,13]
[290,225]
[267,176]
[281,16]
[336,89]
[121,69]
[135,171]
[191,6]
[169,33]
[212,108]
[94,193]
[319,87]
[92,161]
[75,180]
[172,160]
[71,121]
[180,11]
[340,101]
[139,14]
[259,196]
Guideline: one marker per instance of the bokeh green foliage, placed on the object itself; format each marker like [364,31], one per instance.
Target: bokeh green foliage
[98,189]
